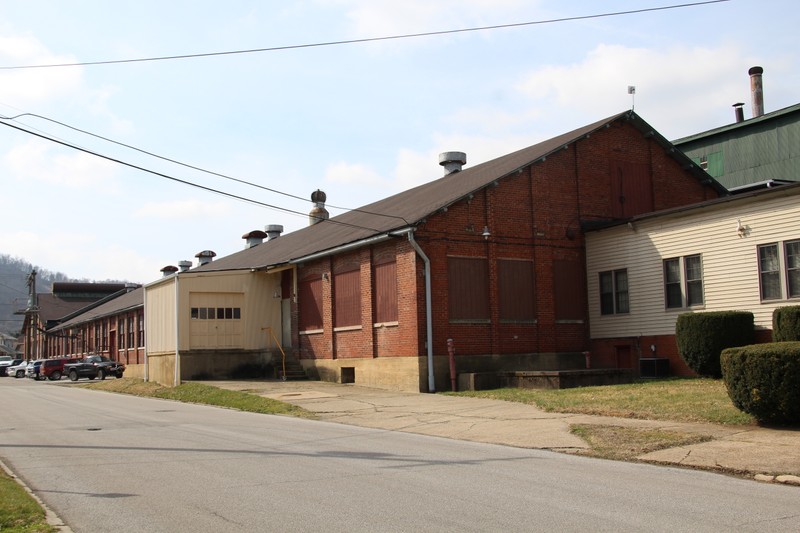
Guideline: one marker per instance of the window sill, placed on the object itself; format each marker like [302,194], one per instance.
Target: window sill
[346,328]
[570,321]
[470,321]
[523,322]
[393,324]
[312,332]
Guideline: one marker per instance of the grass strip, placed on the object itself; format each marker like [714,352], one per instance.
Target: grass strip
[202,394]
[680,400]
[19,513]
[626,444]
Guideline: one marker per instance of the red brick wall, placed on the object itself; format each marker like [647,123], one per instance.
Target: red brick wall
[366,341]
[536,215]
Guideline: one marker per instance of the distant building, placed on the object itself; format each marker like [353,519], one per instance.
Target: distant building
[47,310]
[759,152]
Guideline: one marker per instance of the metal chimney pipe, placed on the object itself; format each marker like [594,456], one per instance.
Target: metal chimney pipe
[737,108]
[184,265]
[254,238]
[205,257]
[273,231]
[168,270]
[318,213]
[757,90]
[452,161]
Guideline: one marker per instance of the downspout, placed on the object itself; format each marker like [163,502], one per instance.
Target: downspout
[428,308]
[177,379]
[146,337]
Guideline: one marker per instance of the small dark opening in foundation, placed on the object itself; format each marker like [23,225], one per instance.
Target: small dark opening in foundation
[348,374]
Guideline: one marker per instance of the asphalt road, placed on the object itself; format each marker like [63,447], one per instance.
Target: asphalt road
[106,462]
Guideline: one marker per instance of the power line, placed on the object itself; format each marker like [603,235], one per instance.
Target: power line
[289,195]
[368,39]
[178,180]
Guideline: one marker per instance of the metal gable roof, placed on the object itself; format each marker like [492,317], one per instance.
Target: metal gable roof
[408,208]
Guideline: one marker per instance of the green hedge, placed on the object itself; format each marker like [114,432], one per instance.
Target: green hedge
[764,380]
[786,324]
[701,337]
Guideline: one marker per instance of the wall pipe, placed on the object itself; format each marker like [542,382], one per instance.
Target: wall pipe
[428,307]
[177,379]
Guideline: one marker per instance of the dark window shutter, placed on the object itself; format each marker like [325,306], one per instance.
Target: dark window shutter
[386,292]
[310,302]
[347,298]
[515,284]
[569,290]
[468,287]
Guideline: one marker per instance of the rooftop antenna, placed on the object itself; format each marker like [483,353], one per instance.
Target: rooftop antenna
[632,92]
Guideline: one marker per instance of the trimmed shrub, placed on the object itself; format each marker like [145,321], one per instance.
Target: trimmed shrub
[764,380]
[786,324]
[701,337]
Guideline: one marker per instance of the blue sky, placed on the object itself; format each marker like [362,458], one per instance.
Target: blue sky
[359,121]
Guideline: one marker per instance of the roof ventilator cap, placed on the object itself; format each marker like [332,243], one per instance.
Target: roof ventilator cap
[452,161]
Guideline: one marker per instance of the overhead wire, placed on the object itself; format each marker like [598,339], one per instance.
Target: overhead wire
[193,167]
[367,39]
[178,180]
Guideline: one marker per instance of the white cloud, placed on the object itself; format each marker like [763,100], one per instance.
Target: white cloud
[36,161]
[185,210]
[673,86]
[379,18]
[28,88]
[353,174]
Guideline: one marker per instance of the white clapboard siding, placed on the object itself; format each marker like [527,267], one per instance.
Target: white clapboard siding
[730,260]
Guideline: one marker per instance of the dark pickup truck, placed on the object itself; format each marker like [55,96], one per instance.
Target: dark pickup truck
[94,366]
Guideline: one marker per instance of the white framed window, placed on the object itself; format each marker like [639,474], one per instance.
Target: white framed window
[614,292]
[779,270]
[683,281]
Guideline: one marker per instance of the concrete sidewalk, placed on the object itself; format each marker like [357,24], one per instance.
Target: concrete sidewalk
[766,454]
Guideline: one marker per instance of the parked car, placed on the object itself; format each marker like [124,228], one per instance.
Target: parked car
[94,366]
[32,370]
[18,370]
[53,369]
[4,365]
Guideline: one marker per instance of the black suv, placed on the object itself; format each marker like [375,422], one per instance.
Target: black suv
[94,366]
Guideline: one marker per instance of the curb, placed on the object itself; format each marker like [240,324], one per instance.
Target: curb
[50,516]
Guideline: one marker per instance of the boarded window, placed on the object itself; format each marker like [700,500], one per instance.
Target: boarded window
[631,189]
[468,288]
[386,292]
[568,287]
[347,294]
[309,300]
[515,285]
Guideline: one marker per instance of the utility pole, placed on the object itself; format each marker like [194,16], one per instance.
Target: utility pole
[32,313]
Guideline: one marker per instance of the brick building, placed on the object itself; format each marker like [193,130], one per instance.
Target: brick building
[490,256]
[114,328]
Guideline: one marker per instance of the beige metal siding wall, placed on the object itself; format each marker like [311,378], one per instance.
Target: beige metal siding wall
[260,309]
[160,317]
[730,262]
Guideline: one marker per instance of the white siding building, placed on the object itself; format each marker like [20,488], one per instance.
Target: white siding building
[735,253]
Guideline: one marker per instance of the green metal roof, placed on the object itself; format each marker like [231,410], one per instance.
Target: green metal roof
[760,149]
